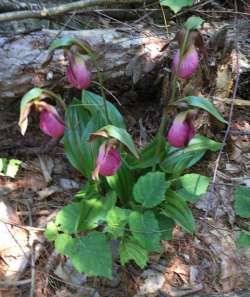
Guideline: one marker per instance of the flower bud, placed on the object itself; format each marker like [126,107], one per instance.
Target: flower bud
[50,123]
[181,131]
[77,73]
[188,65]
[108,160]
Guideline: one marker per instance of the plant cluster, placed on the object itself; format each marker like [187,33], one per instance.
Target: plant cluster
[135,197]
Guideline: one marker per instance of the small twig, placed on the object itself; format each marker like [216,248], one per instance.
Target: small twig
[109,92]
[217,162]
[14,283]
[59,9]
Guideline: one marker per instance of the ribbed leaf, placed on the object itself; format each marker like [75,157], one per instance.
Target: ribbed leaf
[177,209]
[130,249]
[176,5]
[206,105]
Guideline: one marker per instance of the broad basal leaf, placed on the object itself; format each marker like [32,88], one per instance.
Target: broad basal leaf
[65,244]
[130,249]
[179,159]
[51,231]
[242,201]
[176,5]
[122,183]
[145,230]
[150,189]
[92,255]
[94,103]
[80,123]
[176,208]
[206,105]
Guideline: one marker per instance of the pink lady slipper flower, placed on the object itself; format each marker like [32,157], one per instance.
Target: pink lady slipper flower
[189,63]
[108,160]
[77,73]
[50,121]
[181,131]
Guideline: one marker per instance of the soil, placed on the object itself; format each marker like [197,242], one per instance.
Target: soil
[46,182]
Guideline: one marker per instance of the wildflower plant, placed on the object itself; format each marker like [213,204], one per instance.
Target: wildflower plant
[134,197]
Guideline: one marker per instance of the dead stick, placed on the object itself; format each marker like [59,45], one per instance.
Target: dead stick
[59,9]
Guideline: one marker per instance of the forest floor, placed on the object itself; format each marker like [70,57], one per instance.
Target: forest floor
[208,262]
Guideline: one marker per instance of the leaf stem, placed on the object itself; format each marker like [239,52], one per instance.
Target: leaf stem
[58,98]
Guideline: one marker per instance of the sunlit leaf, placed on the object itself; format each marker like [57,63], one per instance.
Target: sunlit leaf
[206,105]
[176,5]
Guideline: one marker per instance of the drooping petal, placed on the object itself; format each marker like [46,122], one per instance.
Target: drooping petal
[178,134]
[188,65]
[181,131]
[108,161]
[51,124]
[77,73]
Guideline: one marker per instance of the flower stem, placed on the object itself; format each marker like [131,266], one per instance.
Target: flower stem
[57,98]
[172,98]
[93,58]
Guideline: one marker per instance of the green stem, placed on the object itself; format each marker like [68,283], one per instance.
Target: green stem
[172,98]
[94,60]
[57,98]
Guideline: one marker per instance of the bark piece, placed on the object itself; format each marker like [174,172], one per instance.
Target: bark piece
[24,55]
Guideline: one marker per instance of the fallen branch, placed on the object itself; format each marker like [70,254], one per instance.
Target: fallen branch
[59,9]
[116,49]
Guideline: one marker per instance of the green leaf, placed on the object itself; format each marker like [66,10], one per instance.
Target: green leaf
[117,219]
[130,249]
[96,210]
[145,230]
[64,244]
[148,157]
[122,182]
[94,103]
[166,226]
[68,218]
[121,135]
[92,255]
[89,190]
[193,23]
[179,159]
[31,95]
[9,167]
[244,239]
[242,201]
[80,123]
[150,189]
[192,186]
[26,104]
[63,42]
[82,119]
[176,5]
[206,105]
[51,231]
[176,208]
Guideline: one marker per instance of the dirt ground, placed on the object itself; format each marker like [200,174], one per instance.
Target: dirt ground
[208,262]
